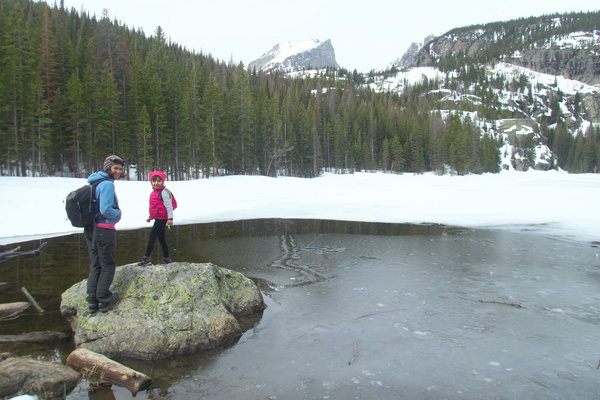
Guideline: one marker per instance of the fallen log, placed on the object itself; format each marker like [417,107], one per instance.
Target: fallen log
[516,305]
[7,255]
[12,310]
[34,337]
[32,300]
[97,367]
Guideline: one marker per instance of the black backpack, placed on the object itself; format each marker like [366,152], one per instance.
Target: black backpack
[80,205]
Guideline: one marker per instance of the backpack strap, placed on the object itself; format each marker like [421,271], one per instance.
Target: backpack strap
[96,183]
[161,192]
[94,200]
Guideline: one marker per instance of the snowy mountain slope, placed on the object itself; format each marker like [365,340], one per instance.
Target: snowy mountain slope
[548,81]
[543,88]
[560,44]
[530,77]
[296,56]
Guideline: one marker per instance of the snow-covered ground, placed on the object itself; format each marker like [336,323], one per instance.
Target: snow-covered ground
[551,202]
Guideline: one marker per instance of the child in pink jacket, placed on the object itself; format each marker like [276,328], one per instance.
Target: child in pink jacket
[161,211]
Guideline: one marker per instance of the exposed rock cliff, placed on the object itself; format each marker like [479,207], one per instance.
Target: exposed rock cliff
[408,57]
[574,55]
[467,43]
[578,64]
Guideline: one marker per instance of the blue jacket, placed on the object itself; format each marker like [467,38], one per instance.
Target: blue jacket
[108,205]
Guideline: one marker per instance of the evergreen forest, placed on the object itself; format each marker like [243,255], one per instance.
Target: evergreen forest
[75,88]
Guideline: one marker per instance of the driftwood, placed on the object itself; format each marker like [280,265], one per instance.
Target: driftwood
[381,312]
[34,337]
[12,310]
[97,367]
[32,300]
[353,354]
[516,305]
[7,255]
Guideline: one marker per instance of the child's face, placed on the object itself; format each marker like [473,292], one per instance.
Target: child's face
[156,182]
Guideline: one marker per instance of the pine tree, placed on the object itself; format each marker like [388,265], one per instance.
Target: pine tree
[154,76]
[145,143]
[459,144]
[243,160]
[48,77]
[397,151]
[92,152]
[19,84]
[107,112]
[386,155]
[75,108]
[438,148]
[490,155]
[213,146]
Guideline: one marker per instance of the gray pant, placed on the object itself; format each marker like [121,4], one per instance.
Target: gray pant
[102,246]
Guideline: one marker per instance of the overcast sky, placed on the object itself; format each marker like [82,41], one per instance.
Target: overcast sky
[365,35]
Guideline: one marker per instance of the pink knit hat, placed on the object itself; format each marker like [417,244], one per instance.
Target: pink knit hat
[161,174]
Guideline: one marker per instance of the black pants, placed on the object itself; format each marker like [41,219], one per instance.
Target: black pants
[158,232]
[102,246]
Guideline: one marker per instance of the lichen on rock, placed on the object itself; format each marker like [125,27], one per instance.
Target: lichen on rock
[164,310]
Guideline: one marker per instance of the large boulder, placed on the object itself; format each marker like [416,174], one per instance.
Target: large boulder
[24,375]
[164,310]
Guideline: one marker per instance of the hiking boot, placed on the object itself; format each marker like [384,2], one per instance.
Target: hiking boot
[167,260]
[93,308]
[145,261]
[104,307]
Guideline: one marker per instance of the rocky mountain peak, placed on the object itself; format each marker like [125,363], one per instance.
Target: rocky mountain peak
[410,54]
[297,56]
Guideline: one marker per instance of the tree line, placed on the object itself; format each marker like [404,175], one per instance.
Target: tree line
[75,88]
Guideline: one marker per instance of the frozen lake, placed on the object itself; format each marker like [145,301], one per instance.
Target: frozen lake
[366,311]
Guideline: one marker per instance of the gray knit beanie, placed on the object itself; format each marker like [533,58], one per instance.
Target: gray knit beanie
[110,161]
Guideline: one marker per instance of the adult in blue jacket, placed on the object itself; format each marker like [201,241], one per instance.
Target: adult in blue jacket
[101,238]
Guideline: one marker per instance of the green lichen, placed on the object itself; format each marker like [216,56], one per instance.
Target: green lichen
[182,305]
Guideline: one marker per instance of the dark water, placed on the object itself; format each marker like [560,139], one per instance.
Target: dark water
[360,310]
